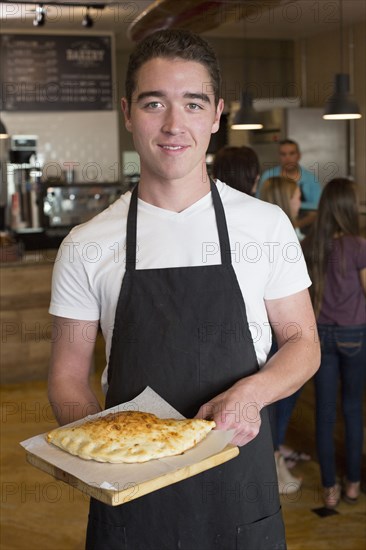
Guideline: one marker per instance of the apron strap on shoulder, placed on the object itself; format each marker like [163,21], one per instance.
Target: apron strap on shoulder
[221,225]
[131,235]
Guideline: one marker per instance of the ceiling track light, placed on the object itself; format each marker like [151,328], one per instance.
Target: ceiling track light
[341,105]
[247,118]
[39,16]
[87,21]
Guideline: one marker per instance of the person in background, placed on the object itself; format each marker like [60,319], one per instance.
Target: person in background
[289,167]
[336,257]
[238,167]
[285,193]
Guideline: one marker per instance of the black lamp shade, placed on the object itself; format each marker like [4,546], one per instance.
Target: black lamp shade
[341,105]
[246,118]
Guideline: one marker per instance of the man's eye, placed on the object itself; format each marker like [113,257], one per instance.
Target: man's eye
[194,107]
[153,104]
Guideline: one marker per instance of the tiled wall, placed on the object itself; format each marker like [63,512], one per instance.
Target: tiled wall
[88,141]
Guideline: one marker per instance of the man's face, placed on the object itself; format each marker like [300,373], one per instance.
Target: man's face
[289,156]
[171,118]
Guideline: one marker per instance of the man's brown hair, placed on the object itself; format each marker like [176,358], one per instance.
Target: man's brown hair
[290,142]
[175,44]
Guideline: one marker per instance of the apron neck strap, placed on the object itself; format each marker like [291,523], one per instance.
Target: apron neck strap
[221,225]
[131,236]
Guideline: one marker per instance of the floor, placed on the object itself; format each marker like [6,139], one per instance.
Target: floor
[40,513]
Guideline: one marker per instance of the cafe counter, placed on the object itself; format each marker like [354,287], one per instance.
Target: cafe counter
[25,288]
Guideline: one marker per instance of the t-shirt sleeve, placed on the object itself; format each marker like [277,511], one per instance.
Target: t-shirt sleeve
[288,272]
[72,296]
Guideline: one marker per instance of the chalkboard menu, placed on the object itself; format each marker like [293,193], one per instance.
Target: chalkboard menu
[54,73]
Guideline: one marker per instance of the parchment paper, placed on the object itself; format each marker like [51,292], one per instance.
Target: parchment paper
[122,476]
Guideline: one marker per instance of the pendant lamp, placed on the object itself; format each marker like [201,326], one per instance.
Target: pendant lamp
[246,118]
[341,105]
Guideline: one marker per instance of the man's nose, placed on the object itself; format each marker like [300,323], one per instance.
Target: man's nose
[173,121]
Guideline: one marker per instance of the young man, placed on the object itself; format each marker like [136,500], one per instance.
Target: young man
[289,167]
[188,276]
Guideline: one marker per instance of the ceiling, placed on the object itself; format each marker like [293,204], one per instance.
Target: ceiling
[270,19]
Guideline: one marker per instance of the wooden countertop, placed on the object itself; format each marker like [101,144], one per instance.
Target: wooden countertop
[25,291]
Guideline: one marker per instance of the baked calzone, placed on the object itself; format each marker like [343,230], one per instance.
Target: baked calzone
[130,436]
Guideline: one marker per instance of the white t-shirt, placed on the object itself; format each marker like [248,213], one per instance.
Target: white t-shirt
[265,250]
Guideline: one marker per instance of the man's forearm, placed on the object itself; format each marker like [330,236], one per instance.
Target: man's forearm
[71,401]
[284,373]
[238,407]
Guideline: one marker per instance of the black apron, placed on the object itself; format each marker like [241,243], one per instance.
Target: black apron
[184,332]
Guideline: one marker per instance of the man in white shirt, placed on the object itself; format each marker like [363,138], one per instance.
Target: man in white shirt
[185,275]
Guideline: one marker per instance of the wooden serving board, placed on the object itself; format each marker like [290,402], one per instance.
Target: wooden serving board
[133,490]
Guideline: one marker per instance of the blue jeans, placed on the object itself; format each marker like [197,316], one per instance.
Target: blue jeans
[343,360]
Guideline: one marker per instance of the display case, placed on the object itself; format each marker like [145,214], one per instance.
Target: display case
[58,207]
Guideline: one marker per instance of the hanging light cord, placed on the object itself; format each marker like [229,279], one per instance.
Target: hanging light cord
[341,33]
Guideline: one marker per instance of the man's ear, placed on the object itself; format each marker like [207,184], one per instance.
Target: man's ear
[219,109]
[126,114]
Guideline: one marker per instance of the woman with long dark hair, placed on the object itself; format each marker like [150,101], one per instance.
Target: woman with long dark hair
[336,258]
[238,167]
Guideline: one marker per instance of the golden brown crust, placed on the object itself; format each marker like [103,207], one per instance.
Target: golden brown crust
[130,436]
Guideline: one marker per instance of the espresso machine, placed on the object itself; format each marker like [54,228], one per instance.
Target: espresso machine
[23,182]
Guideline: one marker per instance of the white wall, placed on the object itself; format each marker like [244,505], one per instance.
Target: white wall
[89,139]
